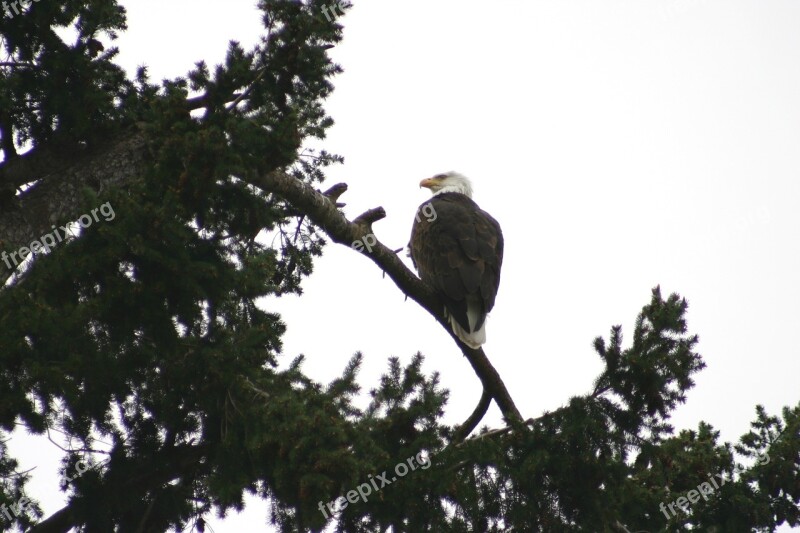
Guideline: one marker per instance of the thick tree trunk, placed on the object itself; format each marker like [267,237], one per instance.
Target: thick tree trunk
[56,196]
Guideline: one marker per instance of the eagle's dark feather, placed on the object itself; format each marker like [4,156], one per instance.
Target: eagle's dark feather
[459,253]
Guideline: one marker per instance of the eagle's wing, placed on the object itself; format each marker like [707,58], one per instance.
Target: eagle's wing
[459,252]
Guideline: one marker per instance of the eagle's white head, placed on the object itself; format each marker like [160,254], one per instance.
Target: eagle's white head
[448,182]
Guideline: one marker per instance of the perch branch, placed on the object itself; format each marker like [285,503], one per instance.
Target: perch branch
[335,192]
[368,217]
[474,419]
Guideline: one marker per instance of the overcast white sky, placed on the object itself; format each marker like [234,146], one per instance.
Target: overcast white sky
[620,144]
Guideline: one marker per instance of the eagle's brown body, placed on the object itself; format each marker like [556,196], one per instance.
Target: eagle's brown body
[459,253]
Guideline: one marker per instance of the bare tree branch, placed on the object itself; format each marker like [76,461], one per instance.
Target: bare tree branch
[474,419]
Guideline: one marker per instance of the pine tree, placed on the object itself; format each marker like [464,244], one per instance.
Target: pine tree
[133,321]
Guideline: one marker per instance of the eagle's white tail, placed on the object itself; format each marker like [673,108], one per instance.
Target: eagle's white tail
[472,339]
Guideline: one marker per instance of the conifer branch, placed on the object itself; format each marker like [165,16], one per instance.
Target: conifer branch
[204,100]
[174,463]
[16,64]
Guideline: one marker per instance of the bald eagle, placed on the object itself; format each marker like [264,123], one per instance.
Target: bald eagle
[457,248]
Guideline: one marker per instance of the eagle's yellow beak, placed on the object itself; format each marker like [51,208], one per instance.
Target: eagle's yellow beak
[427,182]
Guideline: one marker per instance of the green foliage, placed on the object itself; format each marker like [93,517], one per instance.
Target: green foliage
[67,90]
[144,332]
